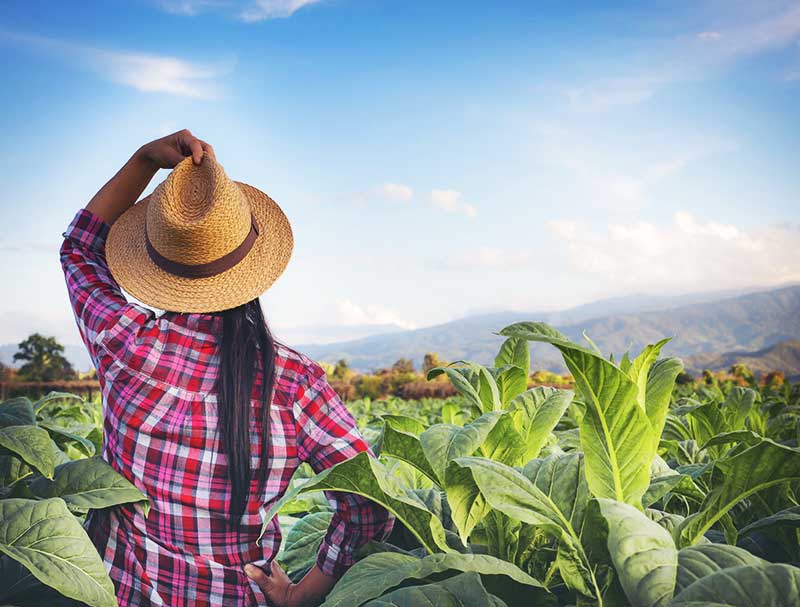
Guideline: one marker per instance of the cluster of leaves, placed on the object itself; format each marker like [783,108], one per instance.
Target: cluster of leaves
[611,495]
[50,478]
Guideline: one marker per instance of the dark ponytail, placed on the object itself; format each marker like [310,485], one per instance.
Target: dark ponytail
[246,344]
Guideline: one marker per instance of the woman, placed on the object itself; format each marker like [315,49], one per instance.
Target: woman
[203,410]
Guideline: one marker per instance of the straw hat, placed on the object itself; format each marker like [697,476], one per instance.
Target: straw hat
[200,242]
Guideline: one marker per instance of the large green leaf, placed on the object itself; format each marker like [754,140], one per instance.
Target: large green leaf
[697,562]
[511,382]
[442,443]
[735,478]
[462,590]
[17,412]
[405,446]
[788,518]
[561,477]
[488,390]
[504,443]
[737,405]
[616,435]
[658,392]
[458,376]
[33,445]
[303,541]
[46,538]
[59,435]
[374,575]
[639,369]
[776,585]
[366,476]
[89,483]
[509,491]
[536,412]
[516,352]
[643,553]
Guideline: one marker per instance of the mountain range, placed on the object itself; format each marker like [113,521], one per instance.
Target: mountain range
[702,324]
[708,330]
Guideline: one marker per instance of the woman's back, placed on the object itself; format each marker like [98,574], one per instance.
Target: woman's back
[158,376]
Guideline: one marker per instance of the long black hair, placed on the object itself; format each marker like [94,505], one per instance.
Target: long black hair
[245,344]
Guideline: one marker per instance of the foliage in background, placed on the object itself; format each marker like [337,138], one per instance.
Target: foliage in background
[50,476]
[633,490]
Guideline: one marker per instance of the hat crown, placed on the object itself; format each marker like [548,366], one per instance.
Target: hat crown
[197,214]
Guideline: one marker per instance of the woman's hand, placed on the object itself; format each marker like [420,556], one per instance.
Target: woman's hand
[124,188]
[168,151]
[277,586]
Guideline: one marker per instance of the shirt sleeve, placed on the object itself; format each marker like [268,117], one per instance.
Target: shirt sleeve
[327,435]
[99,306]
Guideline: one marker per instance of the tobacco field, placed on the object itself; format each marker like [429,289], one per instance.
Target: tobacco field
[623,491]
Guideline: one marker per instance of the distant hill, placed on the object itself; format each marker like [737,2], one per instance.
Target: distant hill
[783,356]
[750,322]
[702,324]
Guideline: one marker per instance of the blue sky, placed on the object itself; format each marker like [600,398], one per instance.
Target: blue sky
[436,159]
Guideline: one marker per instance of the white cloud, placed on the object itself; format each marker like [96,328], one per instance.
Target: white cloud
[450,201]
[686,254]
[244,10]
[485,257]
[612,92]
[396,191]
[350,313]
[709,36]
[142,71]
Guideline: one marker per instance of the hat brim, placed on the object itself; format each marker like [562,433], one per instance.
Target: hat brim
[136,273]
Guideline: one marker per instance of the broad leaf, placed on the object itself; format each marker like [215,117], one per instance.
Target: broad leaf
[697,562]
[507,490]
[536,412]
[364,475]
[441,443]
[89,483]
[372,576]
[33,445]
[17,412]
[640,369]
[303,541]
[406,447]
[658,392]
[616,436]
[789,519]
[516,352]
[511,382]
[735,478]
[776,585]
[458,377]
[46,538]
[643,554]
[462,590]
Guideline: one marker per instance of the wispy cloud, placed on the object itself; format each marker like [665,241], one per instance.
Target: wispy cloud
[686,254]
[451,201]
[396,191]
[348,312]
[244,10]
[145,72]
[485,257]
[752,30]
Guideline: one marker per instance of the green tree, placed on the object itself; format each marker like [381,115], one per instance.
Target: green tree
[403,365]
[342,370]
[44,359]
[430,361]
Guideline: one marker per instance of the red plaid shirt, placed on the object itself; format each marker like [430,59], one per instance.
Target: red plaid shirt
[157,374]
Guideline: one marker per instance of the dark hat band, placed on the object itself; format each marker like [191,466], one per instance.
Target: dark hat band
[203,270]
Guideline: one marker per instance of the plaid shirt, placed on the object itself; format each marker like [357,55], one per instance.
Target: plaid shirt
[157,374]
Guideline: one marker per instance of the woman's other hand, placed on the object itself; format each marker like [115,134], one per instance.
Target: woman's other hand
[277,586]
[168,151]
